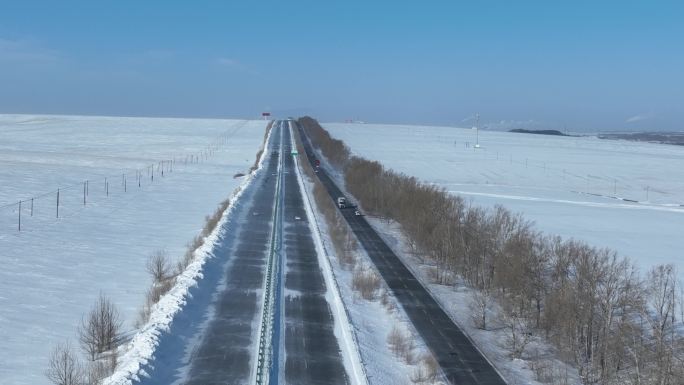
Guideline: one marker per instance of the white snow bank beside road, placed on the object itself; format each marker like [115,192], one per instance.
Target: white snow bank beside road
[51,275]
[548,179]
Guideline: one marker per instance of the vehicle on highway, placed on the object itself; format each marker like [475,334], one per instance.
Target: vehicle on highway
[341,202]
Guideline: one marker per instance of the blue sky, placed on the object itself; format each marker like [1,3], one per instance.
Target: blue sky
[580,65]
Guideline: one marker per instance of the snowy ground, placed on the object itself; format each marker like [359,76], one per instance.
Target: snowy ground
[55,268]
[570,186]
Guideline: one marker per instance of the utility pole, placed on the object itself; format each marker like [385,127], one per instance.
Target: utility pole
[477,130]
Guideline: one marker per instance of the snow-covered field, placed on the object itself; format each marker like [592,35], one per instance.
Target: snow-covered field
[53,270]
[627,196]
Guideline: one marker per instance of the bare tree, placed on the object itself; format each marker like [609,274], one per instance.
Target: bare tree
[63,367]
[480,305]
[660,315]
[88,335]
[158,266]
[100,328]
[518,332]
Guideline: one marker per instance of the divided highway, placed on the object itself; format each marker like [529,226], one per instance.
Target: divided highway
[260,314]
[461,362]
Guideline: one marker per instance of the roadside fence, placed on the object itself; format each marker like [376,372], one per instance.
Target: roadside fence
[66,201]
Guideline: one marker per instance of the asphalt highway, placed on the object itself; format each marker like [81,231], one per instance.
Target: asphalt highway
[225,353]
[312,353]
[460,361]
[215,338]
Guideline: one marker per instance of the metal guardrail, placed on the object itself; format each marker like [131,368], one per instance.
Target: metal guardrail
[265,355]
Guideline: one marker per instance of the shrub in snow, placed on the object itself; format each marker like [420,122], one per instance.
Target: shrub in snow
[426,370]
[366,282]
[401,344]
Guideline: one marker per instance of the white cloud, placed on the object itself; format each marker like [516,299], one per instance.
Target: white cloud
[228,62]
[638,118]
[235,65]
[510,124]
[26,52]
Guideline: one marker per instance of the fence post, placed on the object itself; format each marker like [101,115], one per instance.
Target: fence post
[19,215]
[31,206]
[57,203]
[84,193]
[125,187]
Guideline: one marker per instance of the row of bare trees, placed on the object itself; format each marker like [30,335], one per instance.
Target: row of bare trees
[615,325]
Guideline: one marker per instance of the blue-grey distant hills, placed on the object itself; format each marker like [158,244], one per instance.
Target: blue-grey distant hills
[539,132]
[676,138]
